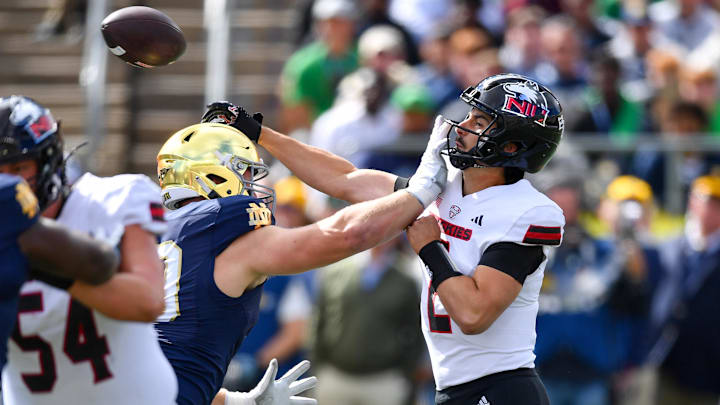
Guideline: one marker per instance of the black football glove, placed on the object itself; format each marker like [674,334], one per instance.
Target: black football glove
[225,112]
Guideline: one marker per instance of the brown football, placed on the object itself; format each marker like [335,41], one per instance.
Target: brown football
[143,36]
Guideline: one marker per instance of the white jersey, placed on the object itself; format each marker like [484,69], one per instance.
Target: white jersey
[508,213]
[63,352]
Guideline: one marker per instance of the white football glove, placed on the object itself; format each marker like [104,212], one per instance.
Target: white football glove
[430,178]
[277,392]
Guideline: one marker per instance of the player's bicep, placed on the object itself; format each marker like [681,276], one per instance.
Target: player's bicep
[501,273]
[140,258]
[289,251]
[497,289]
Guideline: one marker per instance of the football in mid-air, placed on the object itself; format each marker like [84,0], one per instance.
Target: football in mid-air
[143,36]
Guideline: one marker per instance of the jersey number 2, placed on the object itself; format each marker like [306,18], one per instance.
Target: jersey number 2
[438,323]
[81,343]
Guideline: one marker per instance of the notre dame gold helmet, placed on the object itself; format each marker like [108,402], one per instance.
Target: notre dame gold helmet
[212,161]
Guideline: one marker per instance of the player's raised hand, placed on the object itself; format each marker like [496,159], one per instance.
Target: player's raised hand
[430,178]
[277,392]
[225,112]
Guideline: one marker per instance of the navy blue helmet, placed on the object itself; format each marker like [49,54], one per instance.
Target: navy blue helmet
[29,131]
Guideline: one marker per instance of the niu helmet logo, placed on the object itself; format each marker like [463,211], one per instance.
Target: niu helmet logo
[454,210]
[526,100]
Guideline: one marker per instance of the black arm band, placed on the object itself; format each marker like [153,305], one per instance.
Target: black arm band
[401,183]
[517,261]
[436,258]
[55,281]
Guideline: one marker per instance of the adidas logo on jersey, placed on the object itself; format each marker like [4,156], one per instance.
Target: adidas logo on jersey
[478,220]
[483,401]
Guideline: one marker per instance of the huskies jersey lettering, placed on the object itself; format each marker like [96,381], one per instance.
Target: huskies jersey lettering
[515,213]
[202,327]
[61,352]
[20,211]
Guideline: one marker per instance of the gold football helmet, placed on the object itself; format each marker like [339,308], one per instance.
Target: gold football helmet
[212,161]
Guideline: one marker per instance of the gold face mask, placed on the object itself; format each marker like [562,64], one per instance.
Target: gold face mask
[211,161]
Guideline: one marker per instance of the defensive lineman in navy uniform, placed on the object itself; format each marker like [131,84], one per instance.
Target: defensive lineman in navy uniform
[222,245]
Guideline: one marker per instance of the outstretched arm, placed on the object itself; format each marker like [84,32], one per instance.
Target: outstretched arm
[349,231]
[327,172]
[319,169]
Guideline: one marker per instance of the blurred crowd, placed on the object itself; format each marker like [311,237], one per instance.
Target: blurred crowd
[629,303]
[368,74]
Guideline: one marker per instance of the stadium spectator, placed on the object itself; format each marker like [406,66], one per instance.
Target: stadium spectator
[367,341]
[627,211]
[699,84]
[565,68]
[415,105]
[420,16]
[434,71]
[683,119]
[375,12]
[363,117]
[629,46]
[593,33]
[482,64]
[683,25]
[520,52]
[586,328]
[686,307]
[607,110]
[464,43]
[311,75]
[357,124]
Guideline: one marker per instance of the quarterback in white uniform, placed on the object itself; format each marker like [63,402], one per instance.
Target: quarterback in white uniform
[481,300]
[64,352]
[512,214]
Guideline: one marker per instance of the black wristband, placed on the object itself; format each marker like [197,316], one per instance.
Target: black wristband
[437,260]
[401,183]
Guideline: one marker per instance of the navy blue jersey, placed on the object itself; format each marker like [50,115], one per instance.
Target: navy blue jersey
[202,327]
[20,210]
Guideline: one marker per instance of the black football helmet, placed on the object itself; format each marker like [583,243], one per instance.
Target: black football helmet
[29,131]
[527,114]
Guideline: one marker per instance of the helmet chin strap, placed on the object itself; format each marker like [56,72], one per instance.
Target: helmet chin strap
[212,194]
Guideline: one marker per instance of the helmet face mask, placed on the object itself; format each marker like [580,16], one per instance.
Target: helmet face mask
[210,161]
[523,113]
[28,131]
